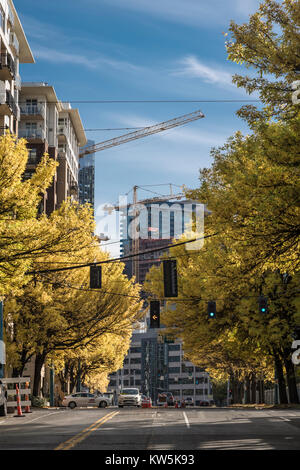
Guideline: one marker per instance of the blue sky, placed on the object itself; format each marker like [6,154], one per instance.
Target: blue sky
[140,50]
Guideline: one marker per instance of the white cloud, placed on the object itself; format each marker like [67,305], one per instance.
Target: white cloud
[100,62]
[192,67]
[192,12]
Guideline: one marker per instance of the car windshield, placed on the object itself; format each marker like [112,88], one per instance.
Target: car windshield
[130,391]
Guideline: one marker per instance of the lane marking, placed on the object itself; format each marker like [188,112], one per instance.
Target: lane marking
[73,441]
[186,419]
[31,420]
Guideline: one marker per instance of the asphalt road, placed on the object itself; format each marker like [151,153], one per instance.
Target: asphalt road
[114,429]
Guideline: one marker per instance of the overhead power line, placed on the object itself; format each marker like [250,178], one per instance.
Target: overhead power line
[150,101]
[113,260]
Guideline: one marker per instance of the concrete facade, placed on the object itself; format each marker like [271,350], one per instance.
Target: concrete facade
[14,50]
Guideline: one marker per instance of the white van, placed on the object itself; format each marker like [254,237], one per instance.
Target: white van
[129,397]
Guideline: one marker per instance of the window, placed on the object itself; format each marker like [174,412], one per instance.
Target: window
[32,156]
[174,347]
[174,358]
[135,360]
[27,175]
[2,19]
[31,106]
[133,349]
[31,129]
[174,370]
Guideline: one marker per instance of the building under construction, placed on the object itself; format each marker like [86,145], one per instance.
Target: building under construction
[156,223]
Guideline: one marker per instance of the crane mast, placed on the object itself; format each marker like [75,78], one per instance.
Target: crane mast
[162,126]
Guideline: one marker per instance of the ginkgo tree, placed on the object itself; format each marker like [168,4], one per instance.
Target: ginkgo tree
[268,44]
[57,311]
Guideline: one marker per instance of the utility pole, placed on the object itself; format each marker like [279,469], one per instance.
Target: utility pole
[78,387]
[135,241]
[52,385]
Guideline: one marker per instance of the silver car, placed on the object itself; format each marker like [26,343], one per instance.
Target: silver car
[85,399]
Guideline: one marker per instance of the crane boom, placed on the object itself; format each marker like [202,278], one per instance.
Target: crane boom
[162,126]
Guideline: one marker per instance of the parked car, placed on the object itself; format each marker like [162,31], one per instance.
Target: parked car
[3,399]
[84,399]
[204,403]
[129,397]
[109,396]
[189,401]
[165,398]
[146,402]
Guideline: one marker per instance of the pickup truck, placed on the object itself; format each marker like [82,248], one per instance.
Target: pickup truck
[3,399]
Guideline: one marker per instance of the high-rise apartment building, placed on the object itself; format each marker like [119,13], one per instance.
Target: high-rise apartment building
[39,110]
[14,50]
[87,177]
[71,137]
[52,127]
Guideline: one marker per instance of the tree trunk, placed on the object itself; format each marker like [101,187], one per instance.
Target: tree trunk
[283,399]
[247,390]
[261,391]
[290,378]
[39,362]
[253,388]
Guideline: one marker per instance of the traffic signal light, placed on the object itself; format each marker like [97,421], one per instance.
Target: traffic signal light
[170,278]
[211,309]
[95,277]
[154,313]
[263,305]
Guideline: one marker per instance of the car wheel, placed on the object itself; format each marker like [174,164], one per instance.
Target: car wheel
[72,405]
[102,404]
[3,409]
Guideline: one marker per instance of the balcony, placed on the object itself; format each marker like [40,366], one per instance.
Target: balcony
[36,135]
[10,101]
[33,112]
[8,104]
[7,67]
[63,133]
[14,43]
[11,17]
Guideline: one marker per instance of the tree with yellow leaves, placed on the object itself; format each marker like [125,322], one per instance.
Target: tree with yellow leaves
[58,312]
[269,44]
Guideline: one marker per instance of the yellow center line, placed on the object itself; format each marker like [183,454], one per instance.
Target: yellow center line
[85,432]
